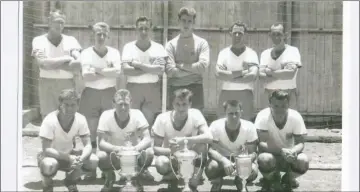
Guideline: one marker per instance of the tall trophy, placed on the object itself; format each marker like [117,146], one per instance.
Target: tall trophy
[185,158]
[128,164]
[243,166]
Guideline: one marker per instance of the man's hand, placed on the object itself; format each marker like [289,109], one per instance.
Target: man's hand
[135,63]
[228,166]
[159,61]
[268,71]
[177,141]
[118,149]
[288,155]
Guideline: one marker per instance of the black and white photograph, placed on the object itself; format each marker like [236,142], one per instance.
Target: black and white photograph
[183,96]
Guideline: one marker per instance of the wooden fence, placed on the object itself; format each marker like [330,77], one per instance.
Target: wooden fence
[314,27]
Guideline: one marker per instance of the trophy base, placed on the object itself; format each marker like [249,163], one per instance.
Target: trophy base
[129,188]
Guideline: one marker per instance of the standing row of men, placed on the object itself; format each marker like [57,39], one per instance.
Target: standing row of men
[275,142]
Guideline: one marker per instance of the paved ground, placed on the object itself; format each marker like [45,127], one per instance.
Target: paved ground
[314,180]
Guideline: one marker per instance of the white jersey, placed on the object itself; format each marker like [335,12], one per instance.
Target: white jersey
[89,58]
[41,44]
[290,54]
[281,138]
[63,141]
[136,125]
[233,62]
[163,126]
[247,134]
[132,52]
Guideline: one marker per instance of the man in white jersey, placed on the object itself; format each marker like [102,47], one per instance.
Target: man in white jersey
[57,56]
[170,130]
[57,132]
[116,127]
[279,65]
[189,56]
[143,61]
[281,134]
[232,135]
[237,67]
[101,66]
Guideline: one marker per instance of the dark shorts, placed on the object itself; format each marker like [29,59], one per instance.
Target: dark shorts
[197,99]
[246,97]
[94,102]
[49,91]
[145,96]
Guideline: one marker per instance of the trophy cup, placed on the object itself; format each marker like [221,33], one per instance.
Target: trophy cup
[128,163]
[243,166]
[185,158]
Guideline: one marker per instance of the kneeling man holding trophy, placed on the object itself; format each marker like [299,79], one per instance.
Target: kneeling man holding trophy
[281,133]
[124,143]
[233,150]
[180,137]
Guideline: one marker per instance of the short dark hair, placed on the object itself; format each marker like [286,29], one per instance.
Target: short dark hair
[121,93]
[58,12]
[68,94]
[142,19]
[183,94]
[277,25]
[279,95]
[232,103]
[187,11]
[239,24]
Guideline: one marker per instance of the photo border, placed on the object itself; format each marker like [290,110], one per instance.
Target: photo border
[11,76]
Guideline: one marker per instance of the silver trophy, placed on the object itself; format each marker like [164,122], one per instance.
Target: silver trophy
[243,165]
[185,158]
[128,164]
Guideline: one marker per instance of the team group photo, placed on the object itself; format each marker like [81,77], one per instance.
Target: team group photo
[182,96]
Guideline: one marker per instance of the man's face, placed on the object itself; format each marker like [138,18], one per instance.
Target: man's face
[186,23]
[56,24]
[279,108]
[100,36]
[277,34]
[143,30]
[122,106]
[181,106]
[233,115]
[237,34]
[69,107]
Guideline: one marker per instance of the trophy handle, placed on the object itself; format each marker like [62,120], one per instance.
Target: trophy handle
[112,165]
[200,165]
[142,168]
[172,169]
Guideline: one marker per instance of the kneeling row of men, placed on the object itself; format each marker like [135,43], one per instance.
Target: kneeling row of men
[275,142]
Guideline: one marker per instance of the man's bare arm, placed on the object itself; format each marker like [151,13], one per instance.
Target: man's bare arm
[104,145]
[145,142]
[51,152]
[109,71]
[299,144]
[89,74]
[51,63]
[158,149]
[249,75]
[149,68]
[214,154]
[226,75]
[204,136]
[131,71]
[86,152]
[252,149]
[285,74]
